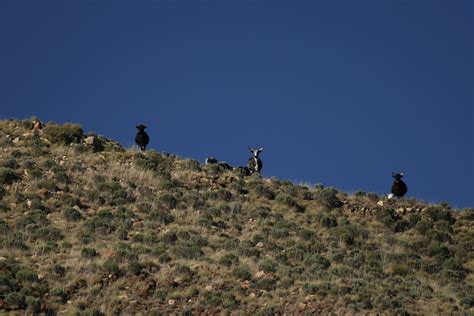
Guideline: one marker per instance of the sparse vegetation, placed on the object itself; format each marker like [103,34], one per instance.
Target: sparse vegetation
[82,224]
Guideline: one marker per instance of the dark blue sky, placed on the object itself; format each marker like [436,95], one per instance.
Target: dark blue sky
[338,92]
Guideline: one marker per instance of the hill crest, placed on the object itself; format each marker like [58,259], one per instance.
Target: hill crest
[90,227]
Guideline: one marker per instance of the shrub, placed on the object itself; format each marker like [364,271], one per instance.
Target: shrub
[315,262]
[63,134]
[187,250]
[328,221]
[15,301]
[111,267]
[10,163]
[161,215]
[228,260]
[72,215]
[88,253]
[264,191]
[438,250]
[328,197]
[8,176]
[268,265]
[168,201]
[218,298]
[61,293]
[289,201]
[242,272]
[26,275]
[437,213]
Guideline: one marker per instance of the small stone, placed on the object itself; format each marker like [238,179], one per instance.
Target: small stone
[380,203]
[259,274]
[16,140]
[171,302]
[252,295]
[208,288]
[259,244]
[40,276]
[89,140]
[29,203]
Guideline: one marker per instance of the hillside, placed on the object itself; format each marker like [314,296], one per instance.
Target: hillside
[89,227]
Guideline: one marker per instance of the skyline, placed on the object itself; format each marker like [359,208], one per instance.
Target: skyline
[337,93]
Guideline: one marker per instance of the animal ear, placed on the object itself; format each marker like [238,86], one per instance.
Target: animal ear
[250,149]
[260,149]
[401,173]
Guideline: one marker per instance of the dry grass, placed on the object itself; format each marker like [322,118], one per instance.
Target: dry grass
[153,229]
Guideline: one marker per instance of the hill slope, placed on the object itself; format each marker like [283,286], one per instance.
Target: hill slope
[88,227]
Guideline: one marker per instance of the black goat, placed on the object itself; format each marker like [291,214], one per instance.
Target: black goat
[399,188]
[255,164]
[142,139]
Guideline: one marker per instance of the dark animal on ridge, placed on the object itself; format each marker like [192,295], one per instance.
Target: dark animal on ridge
[142,139]
[399,188]
[255,164]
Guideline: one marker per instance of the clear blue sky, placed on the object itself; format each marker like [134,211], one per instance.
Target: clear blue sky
[338,92]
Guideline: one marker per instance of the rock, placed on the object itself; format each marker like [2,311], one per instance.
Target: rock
[208,288]
[260,274]
[29,203]
[380,203]
[252,295]
[16,140]
[171,302]
[90,140]
[259,244]
[40,276]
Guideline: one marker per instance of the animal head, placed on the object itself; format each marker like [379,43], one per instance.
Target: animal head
[256,152]
[141,127]
[397,176]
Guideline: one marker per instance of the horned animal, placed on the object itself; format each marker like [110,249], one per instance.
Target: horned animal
[255,164]
[142,139]
[399,188]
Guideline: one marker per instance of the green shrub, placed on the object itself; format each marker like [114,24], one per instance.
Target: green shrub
[161,215]
[47,233]
[265,192]
[10,163]
[8,176]
[63,134]
[218,298]
[15,301]
[289,201]
[316,262]
[61,293]
[228,260]
[187,250]
[26,275]
[72,215]
[242,272]
[437,213]
[268,265]
[168,201]
[328,197]
[328,221]
[88,253]
[111,267]
[34,305]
